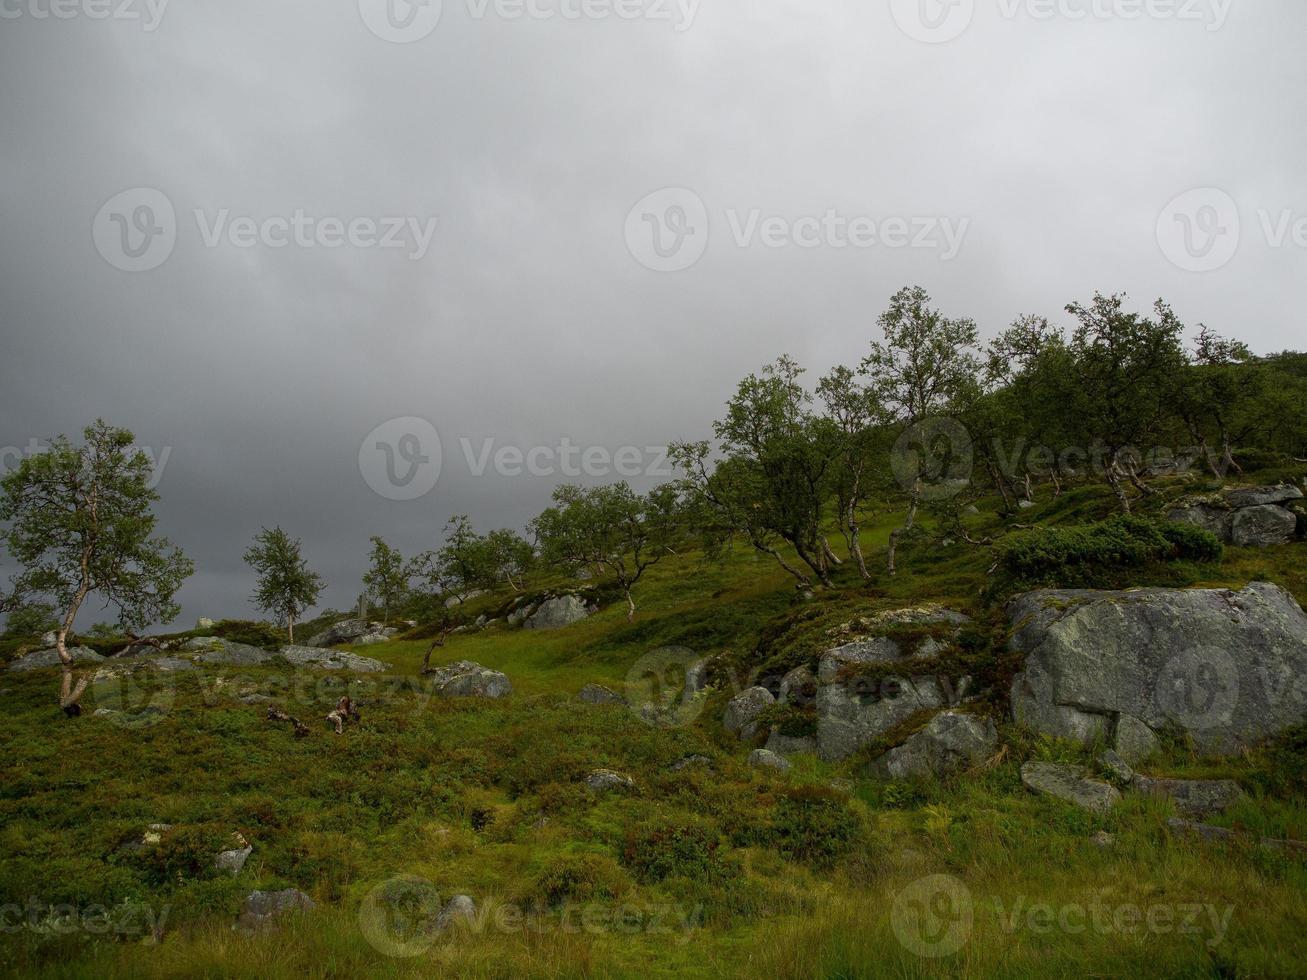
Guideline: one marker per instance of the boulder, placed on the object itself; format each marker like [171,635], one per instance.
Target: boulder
[556,613]
[605,780]
[742,712]
[798,687]
[766,759]
[1238,497]
[598,694]
[234,858]
[691,760]
[854,710]
[356,632]
[262,909]
[953,741]
[696,679]
[1262,527]
[460,910]
[224,653]
[205,623]
[50,658]
[520,614]
[1117,766]
[49,638]
[322,659]
[1225,667]
[466,679]
[1069,783]
[1195,798]
[1216,519]
[791,744]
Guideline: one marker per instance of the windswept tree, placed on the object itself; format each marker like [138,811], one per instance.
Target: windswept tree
[80,522]
[610,530]
[926,368]
[286,586]
[469,561]
[859,424]
[511,557]
[1214,392]
[387,577]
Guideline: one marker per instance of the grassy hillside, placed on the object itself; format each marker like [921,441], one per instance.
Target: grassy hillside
[712,870]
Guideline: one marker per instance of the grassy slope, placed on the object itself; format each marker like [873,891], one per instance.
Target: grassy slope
[455,792]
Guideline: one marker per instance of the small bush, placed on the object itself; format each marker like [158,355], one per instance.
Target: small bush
[1093,555]
[251,634]
[789,720]
[578,878]
[814,825]
[186,853]
[672,849]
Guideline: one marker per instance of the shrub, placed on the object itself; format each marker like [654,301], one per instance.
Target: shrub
[789,720]
[578,878]
[251,634]
[668,849]
[186,853]
[1092,555]
[814,825]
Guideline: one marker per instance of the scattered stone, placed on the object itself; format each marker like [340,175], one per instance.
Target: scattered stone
[696,679]
[255,698]
[466,679]
[234,858]
[765,759]
[1223,835]
[953,741]
[604,780]
[1025,504]
[741,715]
[1135,741]
[1262,527]
[223,653]
[691,760]
[1069,783]
[320,659]
[356,632]
[598,694]
[171,665]
[1094,658]
[520,614]
[262,909]
[556,613]
[1117,766]
[1240,497]
[1195,798]
[460,910]
[50,658]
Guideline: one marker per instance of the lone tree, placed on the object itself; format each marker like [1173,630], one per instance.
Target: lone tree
[387,576]
[80,522]
[610,529]
[286,585]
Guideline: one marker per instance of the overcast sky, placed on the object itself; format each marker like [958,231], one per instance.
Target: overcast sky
[1010,157]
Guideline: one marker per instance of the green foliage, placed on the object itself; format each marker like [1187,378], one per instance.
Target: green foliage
[1102,554]
[814,825]
[387,577]
[185,853]
[30,620]
[286,586]
[249,633]
[672,848]
[578,877]
[80,522]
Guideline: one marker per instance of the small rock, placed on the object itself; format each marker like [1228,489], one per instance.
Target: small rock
[1135,741]
[461,909]
[799,686]
[951,742]
[261,909]
[1025,504]
[742,713]
[1117,766]
[466,679]
[234,859]
[765,759]
[1069,783]
[50,658]
[1195,798]
[1103,840]
[598,694]
[603,780]
[691,760]
[1223,835]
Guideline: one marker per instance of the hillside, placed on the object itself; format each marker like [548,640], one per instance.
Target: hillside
[716,868]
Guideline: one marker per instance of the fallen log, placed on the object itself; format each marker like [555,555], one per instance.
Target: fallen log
[301,729]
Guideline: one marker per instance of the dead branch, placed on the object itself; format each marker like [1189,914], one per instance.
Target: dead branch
[301,729]
[346,710]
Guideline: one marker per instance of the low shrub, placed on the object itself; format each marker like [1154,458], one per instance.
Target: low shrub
[578,878]
[814,825]
[666,849]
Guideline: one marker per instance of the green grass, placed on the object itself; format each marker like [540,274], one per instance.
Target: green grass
[720,871]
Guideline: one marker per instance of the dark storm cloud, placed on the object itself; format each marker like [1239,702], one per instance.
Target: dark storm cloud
[1044,149]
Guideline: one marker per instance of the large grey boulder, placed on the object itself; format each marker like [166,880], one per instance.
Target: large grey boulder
[224,653]
[50,658]
[556,613]
[607,780]
[791,744]
[318,658]
[741,715]
[356,632]
[1069,783]
[1259,496]
[951,742]
[1263,526]
[855,708]
[1225,667]
[798,687]
[466,679]
[1215,519]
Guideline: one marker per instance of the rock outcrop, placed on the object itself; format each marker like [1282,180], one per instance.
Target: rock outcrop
[39,659]
[556,613]
[323,659]
[355,632]
[1250,517]
[1070,783]
[951,742]
[766,759]
[741,715]
[262,909]
[466,679]
[607,780]
[598,694]
[1225,667]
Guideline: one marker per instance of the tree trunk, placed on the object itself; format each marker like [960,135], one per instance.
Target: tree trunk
[630,606]
[1114,481]
[855,543]
[830,555]
[70,695]
[1227,454]
[893,549]
[803,580]
[1000,483]
[290,629]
